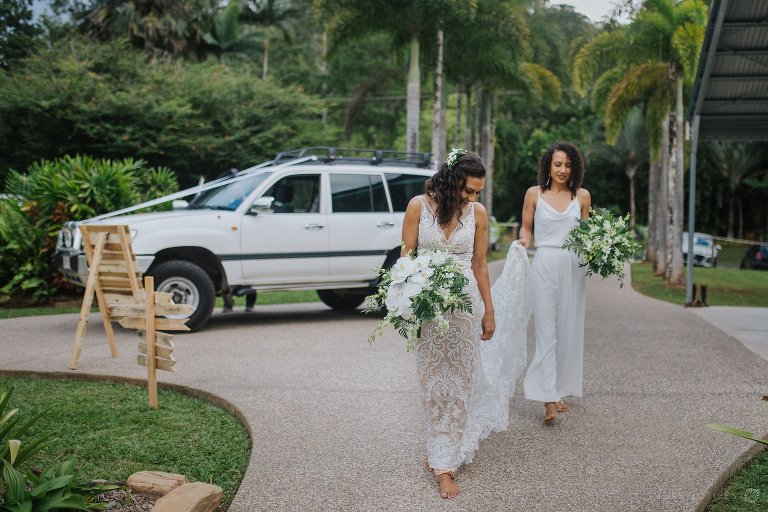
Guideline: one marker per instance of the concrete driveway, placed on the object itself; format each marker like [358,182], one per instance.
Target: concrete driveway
[337,426]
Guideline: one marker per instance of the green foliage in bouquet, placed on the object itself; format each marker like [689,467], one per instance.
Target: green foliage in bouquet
[604,242]
[52,192]
[419,289]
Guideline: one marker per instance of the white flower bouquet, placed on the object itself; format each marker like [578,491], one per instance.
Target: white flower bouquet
[419,289]
[604,242]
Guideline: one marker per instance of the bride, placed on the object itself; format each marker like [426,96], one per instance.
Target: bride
[465,383]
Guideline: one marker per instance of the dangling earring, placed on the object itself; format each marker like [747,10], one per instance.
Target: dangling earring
[549,178]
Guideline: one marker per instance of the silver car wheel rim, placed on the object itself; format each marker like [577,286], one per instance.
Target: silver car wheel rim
[184,292]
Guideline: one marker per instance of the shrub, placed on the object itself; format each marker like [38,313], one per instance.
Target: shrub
[50,193]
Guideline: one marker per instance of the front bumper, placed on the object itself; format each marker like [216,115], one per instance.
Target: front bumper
[74,265]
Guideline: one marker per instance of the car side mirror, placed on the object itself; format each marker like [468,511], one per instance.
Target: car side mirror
[262,205]
[718,247]
[179,204]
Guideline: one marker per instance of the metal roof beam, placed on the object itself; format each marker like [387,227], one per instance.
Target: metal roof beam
[738,78]
[741,53]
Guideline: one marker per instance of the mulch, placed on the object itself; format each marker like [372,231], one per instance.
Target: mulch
[121,500]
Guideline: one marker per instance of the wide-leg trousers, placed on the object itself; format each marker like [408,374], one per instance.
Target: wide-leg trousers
[557,367]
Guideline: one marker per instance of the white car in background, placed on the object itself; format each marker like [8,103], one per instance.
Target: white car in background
[705,250]
[313,219]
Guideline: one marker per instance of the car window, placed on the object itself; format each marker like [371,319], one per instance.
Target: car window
[402,187]
[230,195]
[358,193]
[295,194]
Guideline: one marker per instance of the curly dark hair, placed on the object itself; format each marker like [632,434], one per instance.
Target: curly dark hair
[577,165]
[446,185]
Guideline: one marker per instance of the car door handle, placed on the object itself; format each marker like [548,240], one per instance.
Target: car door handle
[385,225]
[313,226]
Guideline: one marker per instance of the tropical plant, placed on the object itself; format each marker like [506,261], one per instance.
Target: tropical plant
[25,491]
[408,21]
[162,28]
[54,489]
[52,192]
[648,64]
[735,161]
[271,18]
[13,451]
[229,35]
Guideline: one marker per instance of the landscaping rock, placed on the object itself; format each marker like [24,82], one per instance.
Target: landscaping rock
[155,483]
[196,497]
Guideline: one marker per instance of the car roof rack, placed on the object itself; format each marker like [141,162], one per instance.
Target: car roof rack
[330,155]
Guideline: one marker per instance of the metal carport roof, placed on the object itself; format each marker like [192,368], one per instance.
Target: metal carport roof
[731,90]
[730,96]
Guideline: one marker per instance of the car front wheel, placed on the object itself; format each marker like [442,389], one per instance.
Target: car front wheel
[343,300]
[189,284]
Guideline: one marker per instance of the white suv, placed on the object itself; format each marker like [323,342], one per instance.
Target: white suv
[314,219]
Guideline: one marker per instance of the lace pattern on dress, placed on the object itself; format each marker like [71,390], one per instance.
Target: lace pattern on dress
[465,398]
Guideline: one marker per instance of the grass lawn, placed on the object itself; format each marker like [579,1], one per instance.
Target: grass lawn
[276,297]
[725,287]
[111,432]
[747,491]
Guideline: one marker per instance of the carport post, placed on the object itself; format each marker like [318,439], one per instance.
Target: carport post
[691,210]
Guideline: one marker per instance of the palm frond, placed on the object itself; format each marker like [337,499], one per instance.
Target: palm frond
[639,83]
[595,57]
[687,41]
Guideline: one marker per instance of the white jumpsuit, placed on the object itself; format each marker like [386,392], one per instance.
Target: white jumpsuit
[556,369]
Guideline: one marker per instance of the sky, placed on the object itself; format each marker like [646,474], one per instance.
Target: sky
[592,9]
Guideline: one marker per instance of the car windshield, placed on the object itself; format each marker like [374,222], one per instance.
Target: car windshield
[229,196]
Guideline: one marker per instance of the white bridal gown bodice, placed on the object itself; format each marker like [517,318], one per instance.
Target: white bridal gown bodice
[466,383]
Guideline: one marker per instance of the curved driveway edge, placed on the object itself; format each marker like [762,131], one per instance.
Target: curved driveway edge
[336,423]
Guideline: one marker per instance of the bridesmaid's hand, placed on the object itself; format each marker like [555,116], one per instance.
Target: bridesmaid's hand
[489,326]
[522,242]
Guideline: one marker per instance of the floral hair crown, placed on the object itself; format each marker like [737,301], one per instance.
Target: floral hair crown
[453,157]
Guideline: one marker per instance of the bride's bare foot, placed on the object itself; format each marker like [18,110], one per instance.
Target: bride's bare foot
[448,488]
[562,407]
[551,412]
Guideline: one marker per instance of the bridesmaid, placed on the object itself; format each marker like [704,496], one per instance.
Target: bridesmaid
[554,207]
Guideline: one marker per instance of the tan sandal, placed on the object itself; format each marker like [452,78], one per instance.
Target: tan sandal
[562,406]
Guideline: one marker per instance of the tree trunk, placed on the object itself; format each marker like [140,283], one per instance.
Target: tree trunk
[676,276]
[631,171]
[478,117]
[653,199]
[731,213]
[457,132]
[485,146]
[413,106]
[662,216]
[265,61]
[468,120]
[438,119]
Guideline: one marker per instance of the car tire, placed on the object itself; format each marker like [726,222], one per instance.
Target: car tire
[189,284]
[343,300]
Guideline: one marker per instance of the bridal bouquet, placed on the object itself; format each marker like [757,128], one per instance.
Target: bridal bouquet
[604,242]
[418,289]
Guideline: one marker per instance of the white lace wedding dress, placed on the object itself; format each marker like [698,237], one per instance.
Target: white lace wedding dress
[466,383]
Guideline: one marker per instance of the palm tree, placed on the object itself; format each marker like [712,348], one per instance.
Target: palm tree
[649,63]
[271,17]
[489,53]
[408,21]
[629,152]
[229,34]
[736,161]
[160,27]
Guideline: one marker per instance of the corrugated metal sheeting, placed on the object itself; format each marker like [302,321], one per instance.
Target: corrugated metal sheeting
[731,90]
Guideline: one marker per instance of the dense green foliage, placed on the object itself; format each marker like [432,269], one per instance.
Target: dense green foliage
[52,192]
[111,432]
[108,101]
